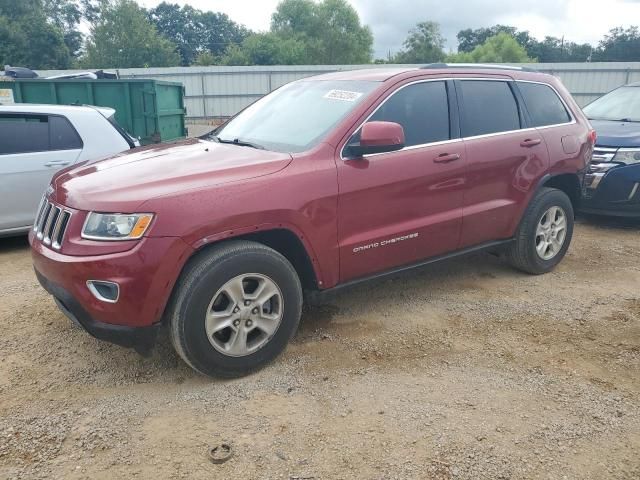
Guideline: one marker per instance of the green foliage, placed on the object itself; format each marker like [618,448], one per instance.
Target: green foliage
[123,37]
[196,32]
[28,39]
[66,16]
[620,45]
[425,44]
[205,59]
[266,49]
[330,31]
[501,48]
[469,39]
[553,49]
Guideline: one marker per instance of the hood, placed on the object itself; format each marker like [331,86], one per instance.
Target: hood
[125,181]
[616,134]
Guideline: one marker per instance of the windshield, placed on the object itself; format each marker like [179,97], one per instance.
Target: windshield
[297,116]
[621,104]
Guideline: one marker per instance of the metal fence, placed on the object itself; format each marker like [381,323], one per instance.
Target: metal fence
[213,93]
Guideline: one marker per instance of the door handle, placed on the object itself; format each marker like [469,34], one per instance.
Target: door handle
[447,157]
[56,164]
[530,142]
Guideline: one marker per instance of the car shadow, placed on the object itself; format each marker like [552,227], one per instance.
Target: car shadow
[621,223]
[13,244]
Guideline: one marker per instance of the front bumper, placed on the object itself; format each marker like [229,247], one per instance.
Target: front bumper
[141,339]
[145,274]
[617,193]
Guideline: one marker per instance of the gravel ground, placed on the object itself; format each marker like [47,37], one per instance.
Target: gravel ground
[464,370]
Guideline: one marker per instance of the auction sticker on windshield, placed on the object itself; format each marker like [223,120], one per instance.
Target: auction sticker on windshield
[344,95]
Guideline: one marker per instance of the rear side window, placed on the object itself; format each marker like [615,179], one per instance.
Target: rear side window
[543,104]
[488,107]
[28,133]
[422,110]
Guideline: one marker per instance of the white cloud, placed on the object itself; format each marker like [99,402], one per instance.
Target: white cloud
[578,20]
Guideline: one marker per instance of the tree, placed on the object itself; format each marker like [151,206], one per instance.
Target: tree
[266,49]
[620,45]
[501,48]
[28,39]
[66,16]
[425,44]
[553,49]
[469,39]
[123,37]
[196,32]
[330,31]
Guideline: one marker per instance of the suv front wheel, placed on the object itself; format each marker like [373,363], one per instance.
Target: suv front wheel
[236,307]
[544,234]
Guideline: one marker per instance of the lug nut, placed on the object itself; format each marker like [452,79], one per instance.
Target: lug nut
[236,323]
[255,311]
[236,310]
[247,303]
[249,323]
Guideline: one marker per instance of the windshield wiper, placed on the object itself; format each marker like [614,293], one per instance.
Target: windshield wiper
[237,141]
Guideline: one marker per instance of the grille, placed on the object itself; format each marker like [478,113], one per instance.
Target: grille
[603,154]
[51,224]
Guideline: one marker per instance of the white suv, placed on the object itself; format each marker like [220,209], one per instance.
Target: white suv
[38,140]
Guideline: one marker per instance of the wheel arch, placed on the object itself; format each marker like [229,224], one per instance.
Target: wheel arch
[569,183]
[281,239]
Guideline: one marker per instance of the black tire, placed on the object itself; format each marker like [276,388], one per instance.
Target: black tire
[203,276]
[522,253]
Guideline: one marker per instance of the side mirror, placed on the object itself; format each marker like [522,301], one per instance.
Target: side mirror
[379,137]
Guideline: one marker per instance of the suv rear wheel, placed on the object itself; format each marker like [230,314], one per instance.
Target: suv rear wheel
[235,309]
[544,234]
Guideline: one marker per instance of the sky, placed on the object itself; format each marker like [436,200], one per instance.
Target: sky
[581,21]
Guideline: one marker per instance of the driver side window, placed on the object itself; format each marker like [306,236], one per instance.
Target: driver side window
[422,109]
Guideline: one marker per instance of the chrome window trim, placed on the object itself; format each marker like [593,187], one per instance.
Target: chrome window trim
[452,140]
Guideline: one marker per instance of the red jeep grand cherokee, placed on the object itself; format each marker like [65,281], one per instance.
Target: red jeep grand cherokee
[325,182]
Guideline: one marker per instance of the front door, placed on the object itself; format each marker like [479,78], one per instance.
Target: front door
[397,208]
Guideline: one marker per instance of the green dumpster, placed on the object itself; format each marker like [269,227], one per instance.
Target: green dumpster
[148,109]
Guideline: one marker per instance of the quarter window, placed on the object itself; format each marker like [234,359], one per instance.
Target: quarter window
[423,111]
[488,107]
[62,135]
[543,104]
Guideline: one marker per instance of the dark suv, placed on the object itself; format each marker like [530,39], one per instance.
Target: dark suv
[612,185]
[325,182]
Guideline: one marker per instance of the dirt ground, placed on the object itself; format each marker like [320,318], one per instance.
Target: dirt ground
[463,370]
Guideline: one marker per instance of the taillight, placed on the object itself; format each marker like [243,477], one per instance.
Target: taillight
[592,136]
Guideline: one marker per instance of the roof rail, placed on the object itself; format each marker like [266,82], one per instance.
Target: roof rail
[484,66]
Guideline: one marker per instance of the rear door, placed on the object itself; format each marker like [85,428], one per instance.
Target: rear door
[505,158]
[400,207]
[32,148]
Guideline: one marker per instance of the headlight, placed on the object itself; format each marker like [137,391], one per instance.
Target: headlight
[116,226]
[627,155]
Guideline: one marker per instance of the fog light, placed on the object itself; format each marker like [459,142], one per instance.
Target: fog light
[104,291]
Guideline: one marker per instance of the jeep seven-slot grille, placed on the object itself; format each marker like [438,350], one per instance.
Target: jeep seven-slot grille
[51,224]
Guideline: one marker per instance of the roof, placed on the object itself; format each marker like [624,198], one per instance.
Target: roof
[476,66]
[385,73]
[367,74]
[54,109]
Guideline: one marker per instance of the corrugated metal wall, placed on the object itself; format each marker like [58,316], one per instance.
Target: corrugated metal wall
[218,92]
